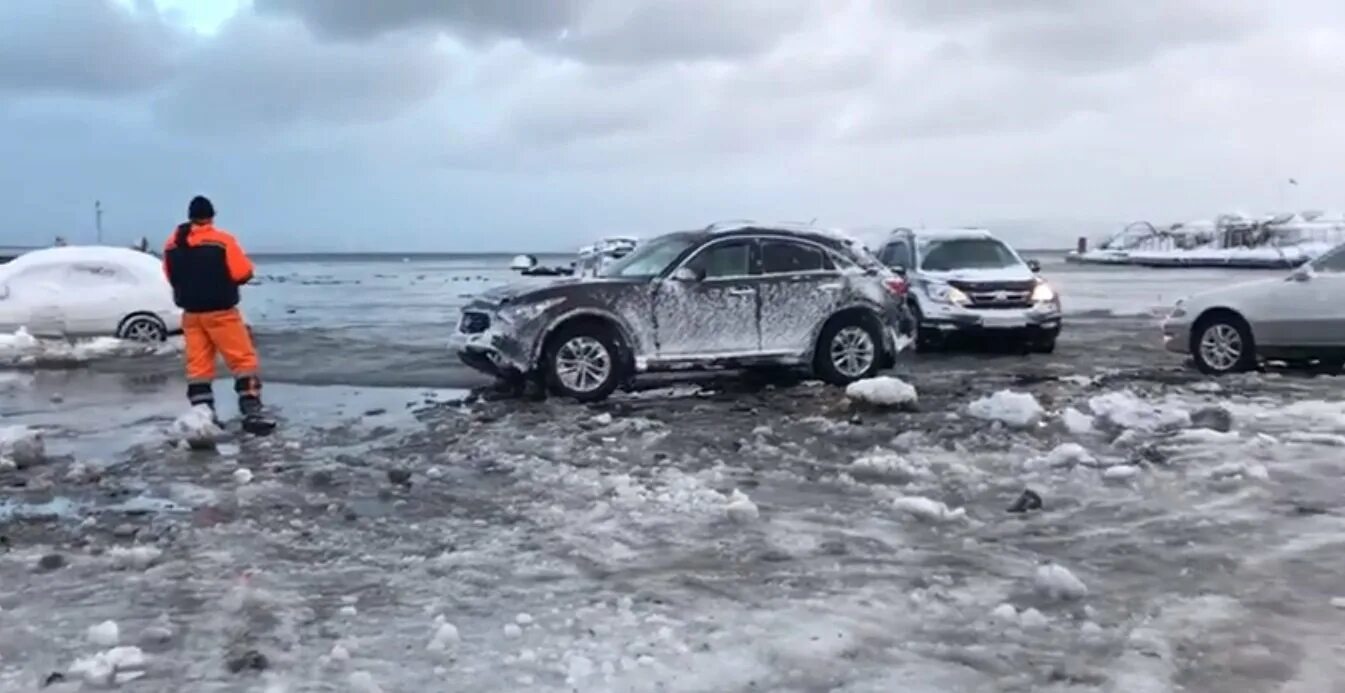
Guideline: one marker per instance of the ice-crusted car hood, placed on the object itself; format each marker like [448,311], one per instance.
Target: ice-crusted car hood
[523,292]
[1235,293]
[1019,273]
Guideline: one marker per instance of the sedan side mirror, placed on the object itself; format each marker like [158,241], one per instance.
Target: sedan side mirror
[685,274]
[1034,265]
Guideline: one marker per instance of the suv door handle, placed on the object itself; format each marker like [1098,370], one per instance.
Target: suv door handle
[741,292]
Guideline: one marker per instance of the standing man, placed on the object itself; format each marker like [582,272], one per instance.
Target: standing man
[206,266]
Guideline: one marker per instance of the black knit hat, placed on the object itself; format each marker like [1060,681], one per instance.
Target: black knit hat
[200,208]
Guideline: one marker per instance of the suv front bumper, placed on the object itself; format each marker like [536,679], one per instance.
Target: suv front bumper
[491,351]
[1037,321]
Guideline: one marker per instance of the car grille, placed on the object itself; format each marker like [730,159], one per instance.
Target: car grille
[998,295]
[474,323]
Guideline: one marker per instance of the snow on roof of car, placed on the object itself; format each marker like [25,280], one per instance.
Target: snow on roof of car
[133,260]
[950,234]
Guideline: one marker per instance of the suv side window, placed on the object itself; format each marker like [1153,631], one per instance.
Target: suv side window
[725,259]
[897,254]
[786,257]
[1333,261]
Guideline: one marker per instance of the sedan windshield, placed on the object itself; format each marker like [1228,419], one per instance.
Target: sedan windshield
[966,253]
[650,259]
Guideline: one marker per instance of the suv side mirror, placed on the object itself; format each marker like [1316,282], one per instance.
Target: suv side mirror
[685,274]
[1034,265]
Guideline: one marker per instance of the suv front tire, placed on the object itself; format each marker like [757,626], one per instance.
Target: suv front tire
[583,361]
[850,348]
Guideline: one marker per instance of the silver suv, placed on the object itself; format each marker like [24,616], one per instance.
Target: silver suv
[967,282]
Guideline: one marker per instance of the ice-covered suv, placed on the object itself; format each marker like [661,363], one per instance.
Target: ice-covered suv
[966,281]
[738,295]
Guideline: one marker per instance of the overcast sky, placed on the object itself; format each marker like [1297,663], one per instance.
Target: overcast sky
[542,124]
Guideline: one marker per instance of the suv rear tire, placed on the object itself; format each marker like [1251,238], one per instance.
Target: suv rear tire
[850,348]
[583,362]
[1222,343]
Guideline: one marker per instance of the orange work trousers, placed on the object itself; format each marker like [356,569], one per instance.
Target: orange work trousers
[221,332]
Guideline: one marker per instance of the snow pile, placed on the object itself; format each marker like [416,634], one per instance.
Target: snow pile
[1124,410]
[133,557]
[927,509]
[1120,472]
[1017,409]
[740,508]
[890,464]
[197,425]
[883,391]
[112,667]
[23,349]
[21,446]
[1063,456]
[1055,581]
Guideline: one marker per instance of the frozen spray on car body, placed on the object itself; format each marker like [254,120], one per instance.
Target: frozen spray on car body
[205,266]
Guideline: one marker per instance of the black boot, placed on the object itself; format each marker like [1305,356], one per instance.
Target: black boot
[255,421]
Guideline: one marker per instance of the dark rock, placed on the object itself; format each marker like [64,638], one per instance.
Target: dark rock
[1027,501]
[1214,418]
[53,678]
[351,516]
[321,479]
[50,562]
[250,660]
[400,476]
[125,531]
[1151,454]
[376,412]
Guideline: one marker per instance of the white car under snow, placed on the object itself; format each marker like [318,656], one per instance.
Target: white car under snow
[88,291]
[1296,318]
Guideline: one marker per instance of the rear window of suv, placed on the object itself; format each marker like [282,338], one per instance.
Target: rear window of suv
[965,253]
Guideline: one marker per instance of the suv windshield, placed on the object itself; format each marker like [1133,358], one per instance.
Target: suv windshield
[650,259]
[965,253]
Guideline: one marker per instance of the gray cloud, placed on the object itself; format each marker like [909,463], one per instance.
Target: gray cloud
[82,47]
[264,73]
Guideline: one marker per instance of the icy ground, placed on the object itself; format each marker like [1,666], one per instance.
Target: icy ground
[721,538]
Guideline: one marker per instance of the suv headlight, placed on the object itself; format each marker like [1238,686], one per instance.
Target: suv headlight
[511,314]
[1043,293]
[944,293]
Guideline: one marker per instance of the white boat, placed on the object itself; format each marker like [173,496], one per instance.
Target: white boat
[1230,240]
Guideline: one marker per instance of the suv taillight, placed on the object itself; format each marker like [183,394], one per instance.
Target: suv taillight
[896,286]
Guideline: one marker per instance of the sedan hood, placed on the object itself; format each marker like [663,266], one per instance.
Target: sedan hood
[1232,294]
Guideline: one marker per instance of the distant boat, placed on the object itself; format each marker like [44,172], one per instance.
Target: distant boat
[1230,240]
[593,259]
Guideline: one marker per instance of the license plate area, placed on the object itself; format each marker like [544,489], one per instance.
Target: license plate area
[1002,322]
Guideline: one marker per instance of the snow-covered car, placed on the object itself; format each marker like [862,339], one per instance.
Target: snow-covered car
[736,296]
[1296,318]
[967,281]
[87,291]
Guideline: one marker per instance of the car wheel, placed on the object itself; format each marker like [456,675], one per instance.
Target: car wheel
[584,362]
[848,349]
[142,328]
[1223,344]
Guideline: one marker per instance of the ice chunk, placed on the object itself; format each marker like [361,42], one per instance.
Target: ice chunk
[1076,422]
[740,508]
[1017,409]
[1235,470]
[339,653]
[1006,613]
[890,464]
[883,391]
[1032,618]
[1120,472]
[578,668]
[512,630]
[1338,602]
[1124,410]
[22,445]
[927,509]
[363,682]
[1065,455]
[133,557]
[1055,581]
[105,634]
[445,637]
[523,619]
[117,665]
[242,476]
[197,425]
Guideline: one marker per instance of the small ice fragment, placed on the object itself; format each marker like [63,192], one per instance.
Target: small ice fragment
[523,619]
[927,509]
[434,473]
[109,667]
[22,446]
[608,668]
[349,611]
[525,680]
[1338,602]
[1065,455]
[740,508]
[603,419]
[1016,409]
[340,653]
[1120,472]
[445,637]
[363,682]
[1090,629]
[242,476]
[512,630]
[1258,472]
[133,557]
[1032,618]
[883,391]
[1055,581]
[1005,612]
[580,667]
[105,634]
[527,656]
